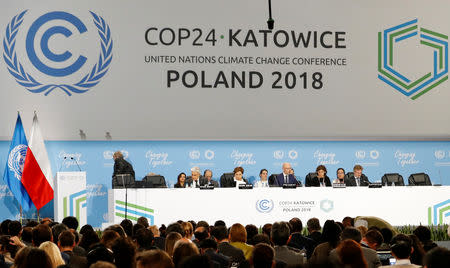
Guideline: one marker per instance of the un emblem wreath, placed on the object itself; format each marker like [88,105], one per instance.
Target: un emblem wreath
[87,82]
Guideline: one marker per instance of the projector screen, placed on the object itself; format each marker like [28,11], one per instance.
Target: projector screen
[203,69]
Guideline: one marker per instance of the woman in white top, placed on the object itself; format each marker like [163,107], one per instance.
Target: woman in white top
[340,173]
[263,182]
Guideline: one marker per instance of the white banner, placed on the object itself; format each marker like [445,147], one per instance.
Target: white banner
[397,205]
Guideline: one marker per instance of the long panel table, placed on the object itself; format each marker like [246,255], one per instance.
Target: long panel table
[397,205]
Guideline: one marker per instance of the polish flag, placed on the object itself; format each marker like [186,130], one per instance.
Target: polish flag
[37,174]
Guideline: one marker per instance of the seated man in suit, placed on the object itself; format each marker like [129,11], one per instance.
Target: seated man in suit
[207,175]
[285,177]
[320,180]
[194,181]
[357,179]
[280,235]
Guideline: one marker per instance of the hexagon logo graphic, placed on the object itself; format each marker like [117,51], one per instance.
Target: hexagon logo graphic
[389,42]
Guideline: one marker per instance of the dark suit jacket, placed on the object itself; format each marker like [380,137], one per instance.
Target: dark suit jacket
[351,181]
[279,180]
[189,181]
[298,241]
[222,260]
[316,237]
[236,255]
[314,181]
[177,185]
[227,183]
[211,182]
[121,166]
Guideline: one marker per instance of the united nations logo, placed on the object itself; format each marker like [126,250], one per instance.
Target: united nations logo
[16,160]
[47,61]
[264,205]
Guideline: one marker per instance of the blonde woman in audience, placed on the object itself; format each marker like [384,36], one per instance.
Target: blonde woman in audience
[171,239]
[53,252]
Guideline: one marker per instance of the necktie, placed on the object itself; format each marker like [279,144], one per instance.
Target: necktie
[286,179]
[357,181]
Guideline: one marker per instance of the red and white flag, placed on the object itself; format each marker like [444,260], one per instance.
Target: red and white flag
[37,174]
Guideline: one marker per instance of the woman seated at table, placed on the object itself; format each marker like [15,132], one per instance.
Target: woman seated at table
[340,173]
[181,181]
[320,180]
[263,182]
[238,179]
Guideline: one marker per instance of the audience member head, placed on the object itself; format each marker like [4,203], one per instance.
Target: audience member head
[53,252]
[238,233]
[387,234]
[154,230]
[144,239]
[262,256]
[143,221]
[266,229]
[88,239]
[175,227]
[220,233]
[348,222]
[99,252]
[123,252]
[14,228]
[5,246]
[423,233]
[66,240]
[27,235]
[401,246]
[208,243]
[154,259]
[350,254]
[57,230]
[188,230]
[108,238]
[32,223]
[374,239]
[182,250]
[71,222]
[437,257]
[351,233]
[127,226]
[296,225]
[331,233]
[102,264]
[171,239]
[313,225]
[32,257]
[362,229]
[201,233]
[40,234]
[252,230]
[4,227]
[418,252]
[85,228]
[280,233]
[219,223]
[201,224]
[261,238]
[118,229]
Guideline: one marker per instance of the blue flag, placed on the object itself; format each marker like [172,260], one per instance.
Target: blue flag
[14,166]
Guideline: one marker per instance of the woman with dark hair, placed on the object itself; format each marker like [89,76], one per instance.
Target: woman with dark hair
[88,239]
[331,236]
[340,176]
[350,254]
[263,182]
[320,180]
[181,179]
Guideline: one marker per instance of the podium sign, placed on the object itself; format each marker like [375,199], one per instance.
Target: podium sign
[70,196]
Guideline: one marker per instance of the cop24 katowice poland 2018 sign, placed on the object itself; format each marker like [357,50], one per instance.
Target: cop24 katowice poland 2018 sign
[183,70]
[48,61]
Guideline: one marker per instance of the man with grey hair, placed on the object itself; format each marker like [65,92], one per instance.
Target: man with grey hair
[195,181]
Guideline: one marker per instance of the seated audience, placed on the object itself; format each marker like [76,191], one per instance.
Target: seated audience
[238,239]
[279,236]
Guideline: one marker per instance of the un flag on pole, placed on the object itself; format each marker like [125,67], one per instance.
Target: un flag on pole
[14,166]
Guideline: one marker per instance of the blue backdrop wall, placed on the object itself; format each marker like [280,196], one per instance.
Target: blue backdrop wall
[172,157]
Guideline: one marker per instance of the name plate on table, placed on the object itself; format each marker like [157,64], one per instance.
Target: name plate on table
[207,187]
[289,186]
[245,186]
[339,185]
[375,185]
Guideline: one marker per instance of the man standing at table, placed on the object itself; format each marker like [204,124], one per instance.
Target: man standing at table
[357,179]
[285,177]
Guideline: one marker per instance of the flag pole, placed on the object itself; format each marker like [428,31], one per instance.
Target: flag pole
[21,215]
[38,219]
